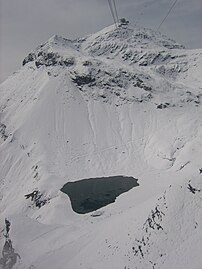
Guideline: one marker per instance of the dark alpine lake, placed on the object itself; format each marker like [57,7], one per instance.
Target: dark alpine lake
[90,194]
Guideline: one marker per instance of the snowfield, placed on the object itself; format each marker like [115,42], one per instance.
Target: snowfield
[123,101]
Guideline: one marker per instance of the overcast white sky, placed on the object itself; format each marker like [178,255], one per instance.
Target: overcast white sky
[24,24]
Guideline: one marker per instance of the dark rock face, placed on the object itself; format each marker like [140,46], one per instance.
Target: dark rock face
[192,189]
[37,198]
[30,58]
[153,225]
[3,134]
[48,59]
[8,224]
[107,83]
[161,106]
[143,53]
[83,80]
[9,256]
[138,82]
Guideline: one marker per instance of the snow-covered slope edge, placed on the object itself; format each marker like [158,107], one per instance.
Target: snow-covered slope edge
[122,101]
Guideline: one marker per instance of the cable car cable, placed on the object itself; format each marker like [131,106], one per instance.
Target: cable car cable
[167,14]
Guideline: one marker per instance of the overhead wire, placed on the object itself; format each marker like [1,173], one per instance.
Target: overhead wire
[173,5]
[112,12]
[115,9]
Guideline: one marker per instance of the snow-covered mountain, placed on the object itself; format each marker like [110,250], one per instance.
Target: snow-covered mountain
[123,101]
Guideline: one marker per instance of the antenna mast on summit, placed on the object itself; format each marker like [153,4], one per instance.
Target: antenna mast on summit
[113,9]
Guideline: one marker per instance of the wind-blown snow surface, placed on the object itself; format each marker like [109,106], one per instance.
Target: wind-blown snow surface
[123,101]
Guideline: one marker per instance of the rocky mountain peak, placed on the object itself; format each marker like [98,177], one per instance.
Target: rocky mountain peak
[126,102]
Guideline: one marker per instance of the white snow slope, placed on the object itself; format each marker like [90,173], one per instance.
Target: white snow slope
[123,101]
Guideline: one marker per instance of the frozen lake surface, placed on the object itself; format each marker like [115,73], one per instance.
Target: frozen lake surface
[90,194]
